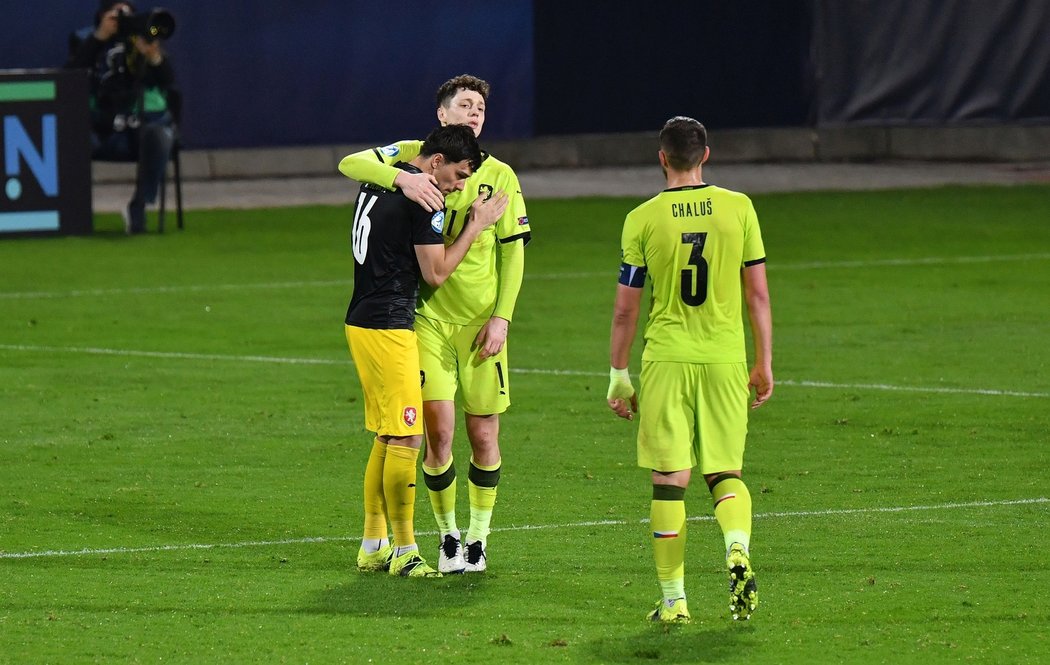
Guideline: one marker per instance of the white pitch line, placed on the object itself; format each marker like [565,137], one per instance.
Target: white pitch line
[611,273]
[910,389]
[928,261]
[192,288]
[532,527]
[174,355]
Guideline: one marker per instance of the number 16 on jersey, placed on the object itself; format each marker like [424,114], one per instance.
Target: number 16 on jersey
[362,226]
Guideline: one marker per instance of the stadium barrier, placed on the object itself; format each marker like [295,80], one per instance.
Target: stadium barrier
[1007,143]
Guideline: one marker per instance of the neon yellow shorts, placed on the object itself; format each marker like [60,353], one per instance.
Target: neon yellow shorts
[692,413]
[449,360]
[388,366]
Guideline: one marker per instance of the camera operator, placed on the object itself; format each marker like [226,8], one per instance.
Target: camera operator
[130,83]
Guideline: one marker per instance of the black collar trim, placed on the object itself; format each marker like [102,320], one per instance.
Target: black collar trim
[685,188]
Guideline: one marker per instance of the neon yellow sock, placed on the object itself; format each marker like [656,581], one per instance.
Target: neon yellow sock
[667,519]
[441,486]
[399,488]
[375,504]
[733,510]
[481,486]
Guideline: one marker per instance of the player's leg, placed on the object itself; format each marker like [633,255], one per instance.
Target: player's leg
[667,520]
[482,483]
[375,551]
[438,363]
[732,503]
[401,427]
[665,444]
[722,422]
[485,389]
[399,483]
[439,473]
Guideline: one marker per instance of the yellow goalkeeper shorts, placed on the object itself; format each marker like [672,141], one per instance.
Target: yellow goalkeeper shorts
[388,365]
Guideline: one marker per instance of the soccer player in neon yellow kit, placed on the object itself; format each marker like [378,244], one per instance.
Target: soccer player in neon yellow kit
[701,246]
[462,327]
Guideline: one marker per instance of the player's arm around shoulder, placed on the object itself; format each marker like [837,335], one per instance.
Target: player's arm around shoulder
[375,166]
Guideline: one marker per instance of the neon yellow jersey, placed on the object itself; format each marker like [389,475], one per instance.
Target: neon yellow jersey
[693,242]
[487,282]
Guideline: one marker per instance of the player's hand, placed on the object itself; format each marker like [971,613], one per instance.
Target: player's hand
[491,337]
[622,398]
[421,188]
[762,381]
[485,212]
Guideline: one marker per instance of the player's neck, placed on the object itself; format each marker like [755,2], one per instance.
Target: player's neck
[690,178]
[422,163]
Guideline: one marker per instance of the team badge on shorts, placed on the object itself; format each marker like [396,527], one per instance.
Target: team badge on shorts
[409,415]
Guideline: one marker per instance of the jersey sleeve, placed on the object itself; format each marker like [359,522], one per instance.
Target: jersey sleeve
[754,250]
[426,226]
[511,269]
[514,223]
[631,241]
[375,165]
[511,227]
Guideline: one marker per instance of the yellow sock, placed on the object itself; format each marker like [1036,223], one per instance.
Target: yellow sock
[733,510]
[375,504]
[399,488]
[667,519]
[441,486]
[481,487]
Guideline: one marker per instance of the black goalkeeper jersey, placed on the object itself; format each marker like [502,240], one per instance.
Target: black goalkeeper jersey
[387,227]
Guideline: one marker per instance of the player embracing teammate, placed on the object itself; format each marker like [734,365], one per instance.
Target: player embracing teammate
[462,327]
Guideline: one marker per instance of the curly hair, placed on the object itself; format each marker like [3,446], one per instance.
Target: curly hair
[449,88]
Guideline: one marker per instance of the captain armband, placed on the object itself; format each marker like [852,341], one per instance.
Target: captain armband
[633,276]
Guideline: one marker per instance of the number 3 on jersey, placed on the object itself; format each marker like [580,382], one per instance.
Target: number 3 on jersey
[362,226]
[694,277]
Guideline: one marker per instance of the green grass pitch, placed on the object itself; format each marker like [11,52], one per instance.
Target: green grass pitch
[182,445]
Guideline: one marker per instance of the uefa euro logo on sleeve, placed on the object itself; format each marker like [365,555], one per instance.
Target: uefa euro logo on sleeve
[437,222]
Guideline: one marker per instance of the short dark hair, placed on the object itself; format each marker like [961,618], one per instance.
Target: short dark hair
[455,142]
[683,141]
[449,88]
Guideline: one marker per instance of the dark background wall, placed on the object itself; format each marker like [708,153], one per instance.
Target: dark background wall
[276,73]
[614,67]
[897,62]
